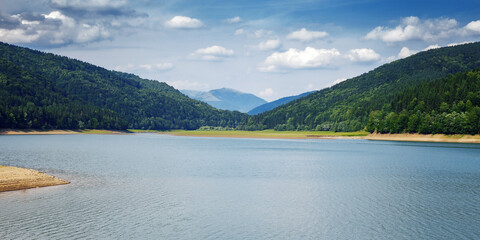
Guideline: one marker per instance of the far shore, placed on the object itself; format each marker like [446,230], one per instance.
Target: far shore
[409,137]
[15,178]
[59,131]
[412,137]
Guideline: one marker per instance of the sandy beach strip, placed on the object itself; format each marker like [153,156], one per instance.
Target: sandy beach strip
[15,178]
[404,137]
[407,137]
[58,132]
[416,137]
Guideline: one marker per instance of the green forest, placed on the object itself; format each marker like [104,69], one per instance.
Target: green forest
[450,105]
[348,106]
[45,91]
[436,91]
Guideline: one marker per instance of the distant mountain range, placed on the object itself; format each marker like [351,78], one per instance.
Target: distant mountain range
[435,91]
[227,99]
[271,105]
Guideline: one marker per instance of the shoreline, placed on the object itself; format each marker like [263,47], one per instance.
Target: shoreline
[15,178]
[267,134]
[416,137]
[60,131]
[400,137]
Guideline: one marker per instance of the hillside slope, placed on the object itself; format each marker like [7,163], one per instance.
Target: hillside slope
[43,90]
[448,105]
[347,105]
[227,99]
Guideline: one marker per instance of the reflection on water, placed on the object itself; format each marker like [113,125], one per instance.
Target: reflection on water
[150,186]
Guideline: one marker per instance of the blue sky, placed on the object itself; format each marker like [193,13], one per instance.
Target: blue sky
[271,48]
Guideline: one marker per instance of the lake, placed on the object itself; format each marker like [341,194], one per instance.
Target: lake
[152,186]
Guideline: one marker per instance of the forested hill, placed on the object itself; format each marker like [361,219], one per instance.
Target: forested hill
[347,105]
[43,90]
[450,105]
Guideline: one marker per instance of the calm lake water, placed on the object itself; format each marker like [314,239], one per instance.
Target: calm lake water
[150,186]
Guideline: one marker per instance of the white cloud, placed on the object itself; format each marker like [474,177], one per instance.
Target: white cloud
[183,22]
[304,35]
[268,45]
[268,92]
[88,4]
[456,44]
[434,46]
[363,55]
[405,52]
[236,19]
[17,36]
[213,53]
[473,26]
[413,28]
[298,59]
[54,29]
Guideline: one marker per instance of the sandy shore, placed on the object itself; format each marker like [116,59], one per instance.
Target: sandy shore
[14,178]
[308,135]
[415,137]
[57,132]
[412,137]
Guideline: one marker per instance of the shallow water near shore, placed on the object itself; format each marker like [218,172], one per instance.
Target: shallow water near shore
[152,186]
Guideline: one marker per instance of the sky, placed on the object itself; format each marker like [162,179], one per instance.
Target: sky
[271,48]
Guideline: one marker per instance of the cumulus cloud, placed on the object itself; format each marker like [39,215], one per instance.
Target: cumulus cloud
[473,26]
[429,30]
[363,55]
[183,22]
[53,28]
[213,53]
[299,59]
[69,22]
[236,19]
[456,44]
[268,45]
[95,7]
[405,52]
[304,35]
[413,28]
[434,46]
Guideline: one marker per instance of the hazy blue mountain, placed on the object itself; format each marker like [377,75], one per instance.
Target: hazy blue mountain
[279,102]
[227,99]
